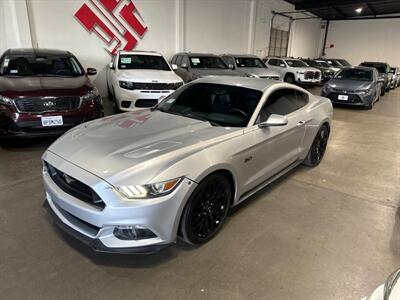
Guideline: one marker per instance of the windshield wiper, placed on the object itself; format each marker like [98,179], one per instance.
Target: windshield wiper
[197,117]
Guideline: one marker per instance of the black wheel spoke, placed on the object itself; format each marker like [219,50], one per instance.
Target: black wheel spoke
[209,208]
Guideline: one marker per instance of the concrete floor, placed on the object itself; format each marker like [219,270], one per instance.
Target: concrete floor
[332,232]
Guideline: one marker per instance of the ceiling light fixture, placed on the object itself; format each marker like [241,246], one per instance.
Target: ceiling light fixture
[359,10]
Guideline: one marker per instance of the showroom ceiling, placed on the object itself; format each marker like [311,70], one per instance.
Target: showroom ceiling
[347,9]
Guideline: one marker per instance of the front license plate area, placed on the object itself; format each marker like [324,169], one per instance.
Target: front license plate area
[52,121]
[343,97]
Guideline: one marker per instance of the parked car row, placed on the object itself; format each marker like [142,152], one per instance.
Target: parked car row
[46,92]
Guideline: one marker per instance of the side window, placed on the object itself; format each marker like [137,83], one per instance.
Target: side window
[280,63]
[272,62]
[228,60]
[179,60]
[173,60]
[282,102]
[185,60]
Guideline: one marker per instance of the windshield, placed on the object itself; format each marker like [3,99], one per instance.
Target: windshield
[323,64]
[296,63]
[249,62]
[311,63]
[207,62]
[333,63]
[221,105]
[344,62]
[355,74]
[142,62]
[40,65]
[380,67]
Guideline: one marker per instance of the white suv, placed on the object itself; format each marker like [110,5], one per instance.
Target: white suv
[294,70]
[139,79]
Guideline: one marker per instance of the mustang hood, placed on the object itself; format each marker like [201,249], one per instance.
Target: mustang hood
[141,142]
[349,85]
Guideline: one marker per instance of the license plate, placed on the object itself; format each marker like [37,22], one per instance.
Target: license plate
[52,121]
[343,97]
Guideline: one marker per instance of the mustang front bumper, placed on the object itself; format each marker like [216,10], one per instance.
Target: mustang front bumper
[96,226]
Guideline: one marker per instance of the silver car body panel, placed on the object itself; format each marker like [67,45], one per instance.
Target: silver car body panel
[147,146]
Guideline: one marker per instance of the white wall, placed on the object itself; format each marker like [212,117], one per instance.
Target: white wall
[219,26]
[357,41]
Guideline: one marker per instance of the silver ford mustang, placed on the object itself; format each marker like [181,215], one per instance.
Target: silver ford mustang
[132,183]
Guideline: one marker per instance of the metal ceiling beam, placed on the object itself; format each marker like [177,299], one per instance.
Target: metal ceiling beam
[366,18]
[339,12]
[315,4]
[374,12]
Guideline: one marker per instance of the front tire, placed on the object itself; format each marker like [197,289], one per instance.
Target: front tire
[206,210]
[289,78]
[318,147]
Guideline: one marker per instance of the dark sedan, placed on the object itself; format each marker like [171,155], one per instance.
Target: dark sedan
[44,92]
[357,86]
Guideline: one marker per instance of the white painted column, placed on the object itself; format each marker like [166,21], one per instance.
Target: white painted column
[252,26]
[180,25]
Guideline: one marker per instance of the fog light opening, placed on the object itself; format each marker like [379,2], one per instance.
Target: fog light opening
[129,233]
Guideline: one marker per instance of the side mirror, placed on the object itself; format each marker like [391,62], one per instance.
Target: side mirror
[274,120]
[91,71]
[282,65]
[184,66]
[231,66]
[111,66]
[174,67]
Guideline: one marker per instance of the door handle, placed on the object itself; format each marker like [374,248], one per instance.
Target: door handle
[301,123]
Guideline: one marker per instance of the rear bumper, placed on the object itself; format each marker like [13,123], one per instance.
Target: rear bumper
[95,244]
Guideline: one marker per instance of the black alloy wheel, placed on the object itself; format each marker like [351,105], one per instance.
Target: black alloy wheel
[206,210]
[289,78]
[318,147]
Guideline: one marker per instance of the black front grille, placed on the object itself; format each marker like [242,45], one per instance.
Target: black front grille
[74,187]
[47,104]
[146,102]
[153,86]
[312,75]
[352,99]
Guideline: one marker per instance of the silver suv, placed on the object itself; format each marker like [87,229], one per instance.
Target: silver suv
[294,70]
[250,66]
[191,66]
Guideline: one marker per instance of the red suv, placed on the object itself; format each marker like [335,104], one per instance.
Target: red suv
[44,92]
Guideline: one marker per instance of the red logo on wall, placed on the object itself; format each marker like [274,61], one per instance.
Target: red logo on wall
[116,22]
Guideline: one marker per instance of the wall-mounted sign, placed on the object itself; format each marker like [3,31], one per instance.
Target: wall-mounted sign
[116,22]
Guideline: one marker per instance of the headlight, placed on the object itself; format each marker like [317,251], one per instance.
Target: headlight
[5,100]
[91,95]
[177,85]
[251,75]
[363,91]
[300,72]
[390,283]
[148,190]
[126,85]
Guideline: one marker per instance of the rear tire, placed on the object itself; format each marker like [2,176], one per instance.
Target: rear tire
[383,91]
[206,210]
[318,147]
